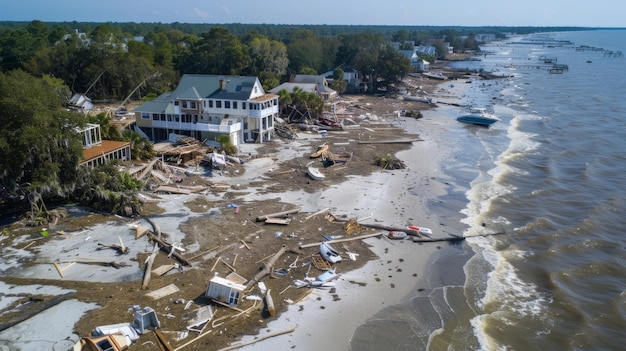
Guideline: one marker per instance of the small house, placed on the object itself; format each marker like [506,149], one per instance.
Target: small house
[225,290]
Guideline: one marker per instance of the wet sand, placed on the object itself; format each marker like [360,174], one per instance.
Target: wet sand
[328,320]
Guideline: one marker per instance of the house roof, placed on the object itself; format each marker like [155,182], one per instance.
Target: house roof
[307,87]
[215,87]
[307,78]
[200,86]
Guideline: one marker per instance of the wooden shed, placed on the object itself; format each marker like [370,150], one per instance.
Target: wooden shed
[224,290]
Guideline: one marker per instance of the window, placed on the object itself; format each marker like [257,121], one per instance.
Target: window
[243,105]
[193,104]
[163,117]
[155,116]
[234,104]
[226,104]
[218,103]
[211,103]
[184,104]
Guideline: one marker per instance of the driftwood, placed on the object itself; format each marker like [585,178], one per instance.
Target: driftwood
[384,227]
[164,344]
[261,338]
[268,268]
[167,247]
[148,272]
[341,240]
[277,214]
[454,238]
[119,248]
[316,213]
[35,310]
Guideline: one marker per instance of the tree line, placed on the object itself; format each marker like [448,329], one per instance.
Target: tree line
[43,64]
[109,60]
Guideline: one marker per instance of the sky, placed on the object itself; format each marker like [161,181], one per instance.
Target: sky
[535,13]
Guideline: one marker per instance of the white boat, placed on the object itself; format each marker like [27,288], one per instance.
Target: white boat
[408,97]
[315,173]
[421,230]
[434,75]
[478,116]
[328,253]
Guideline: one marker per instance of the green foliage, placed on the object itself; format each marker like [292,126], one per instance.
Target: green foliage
[38,138]
[226,144]
[388,162]
[106,189]
[140,147]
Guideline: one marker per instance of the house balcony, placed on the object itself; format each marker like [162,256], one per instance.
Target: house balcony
[199,127]
[263,113]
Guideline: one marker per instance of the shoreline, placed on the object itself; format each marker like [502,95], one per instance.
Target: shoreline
[402,270]
[396,196]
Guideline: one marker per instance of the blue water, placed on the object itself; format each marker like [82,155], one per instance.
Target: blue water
[556,184]
[551,176]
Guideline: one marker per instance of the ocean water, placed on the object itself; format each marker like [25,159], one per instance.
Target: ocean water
[550,180]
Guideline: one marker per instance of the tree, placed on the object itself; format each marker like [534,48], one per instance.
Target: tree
[268,55]
[305,50]
[140,147]
[39,141]
[218,52]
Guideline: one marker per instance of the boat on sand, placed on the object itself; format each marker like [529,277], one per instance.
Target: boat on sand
[478,116]
[421,230]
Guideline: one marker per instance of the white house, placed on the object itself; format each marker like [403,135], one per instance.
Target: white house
[207,106]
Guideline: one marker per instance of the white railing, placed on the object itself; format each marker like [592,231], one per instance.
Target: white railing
[263,113]
[199,127]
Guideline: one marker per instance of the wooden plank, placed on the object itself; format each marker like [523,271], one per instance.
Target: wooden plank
[278,214]
[276,221]
[163,269]
[164,291]
[140,231]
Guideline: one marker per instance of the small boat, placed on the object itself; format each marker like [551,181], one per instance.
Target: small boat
[409,97]
[434,75]
[478,116]
[421,230]
[396,235]
[328,253]
[315,173]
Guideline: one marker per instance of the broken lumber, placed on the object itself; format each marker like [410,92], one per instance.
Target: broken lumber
[277,214]
[316,213]
[382,227]
[148,272]
[304,246]
[167,247]
[35,310]
[267,269]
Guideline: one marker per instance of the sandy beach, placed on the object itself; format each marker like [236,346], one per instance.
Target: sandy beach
[394,271]
[402,267]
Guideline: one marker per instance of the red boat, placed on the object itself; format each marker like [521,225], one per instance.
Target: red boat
[421,230]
